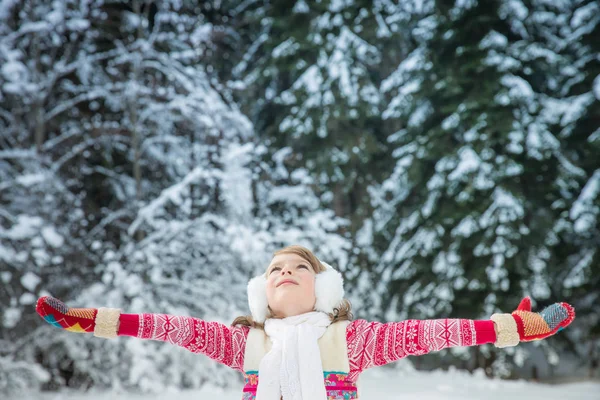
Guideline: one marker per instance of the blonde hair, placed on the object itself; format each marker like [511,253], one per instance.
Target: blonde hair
[340,313]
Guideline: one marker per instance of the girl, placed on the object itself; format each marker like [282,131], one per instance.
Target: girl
[300,343]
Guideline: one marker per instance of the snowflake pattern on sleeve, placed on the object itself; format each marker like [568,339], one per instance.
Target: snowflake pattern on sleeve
[222,343]
[373,344]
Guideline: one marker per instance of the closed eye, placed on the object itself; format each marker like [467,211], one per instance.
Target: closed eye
[279,268]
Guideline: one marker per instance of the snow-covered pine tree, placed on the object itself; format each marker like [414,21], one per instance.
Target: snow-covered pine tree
[463,222]
[161,186]
[44,220]
[183,202]
[288,211]
[573,112]
[104,107]
[308,77]
[311,75]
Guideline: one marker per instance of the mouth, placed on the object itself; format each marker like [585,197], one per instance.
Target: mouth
[286,282]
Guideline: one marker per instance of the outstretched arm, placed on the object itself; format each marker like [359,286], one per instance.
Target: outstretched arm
[373,344]
[221,343]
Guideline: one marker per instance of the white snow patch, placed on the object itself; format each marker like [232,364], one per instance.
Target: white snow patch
[518,87]
[52,237]
[27,299]
[596,87]
[301,7]
[5,8]
[465,228]
[382,384]
[5,276]
[577,275]
[583,211]
[201,34]
[78,25]
[11,317]
[30,179]
[25,227]
[286,48]
[14,71]
[505,209]
[493,39]
[450,122]
[30,280]
[577,106]
[469,162]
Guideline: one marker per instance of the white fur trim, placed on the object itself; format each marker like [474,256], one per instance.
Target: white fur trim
[332,346]
[329,290]
[107,323]
[257,298]
[506,330]
[257,345]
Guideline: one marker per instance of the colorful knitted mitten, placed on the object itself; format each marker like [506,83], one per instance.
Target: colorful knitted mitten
[523,325]
[103,322]
[534,326]
[56,313]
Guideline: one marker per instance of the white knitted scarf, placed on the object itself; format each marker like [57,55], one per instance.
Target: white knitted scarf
[293,368]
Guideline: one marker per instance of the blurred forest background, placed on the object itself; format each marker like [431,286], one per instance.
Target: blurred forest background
[444,155]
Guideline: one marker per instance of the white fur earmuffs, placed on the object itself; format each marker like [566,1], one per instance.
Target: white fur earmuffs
[329,290]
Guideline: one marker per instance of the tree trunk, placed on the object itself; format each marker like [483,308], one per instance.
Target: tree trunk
[136,140]
[39,132]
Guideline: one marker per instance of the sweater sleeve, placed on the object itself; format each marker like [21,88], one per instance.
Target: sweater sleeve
[220,342]
[372,344]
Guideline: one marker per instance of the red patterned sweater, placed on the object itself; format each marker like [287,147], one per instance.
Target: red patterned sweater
[369,344]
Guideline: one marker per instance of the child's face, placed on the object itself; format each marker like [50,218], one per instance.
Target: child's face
[290,285]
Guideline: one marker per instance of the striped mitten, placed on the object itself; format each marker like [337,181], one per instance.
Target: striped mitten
[102,322]
[523,325]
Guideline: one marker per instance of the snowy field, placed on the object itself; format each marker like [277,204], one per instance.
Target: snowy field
[389,384]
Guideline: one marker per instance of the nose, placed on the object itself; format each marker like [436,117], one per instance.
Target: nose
[286,270]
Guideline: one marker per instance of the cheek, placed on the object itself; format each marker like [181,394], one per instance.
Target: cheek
[270,286]
[309,285]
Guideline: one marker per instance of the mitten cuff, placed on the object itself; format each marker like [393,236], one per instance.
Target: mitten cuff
[485,332]
[107,323]
[507,333]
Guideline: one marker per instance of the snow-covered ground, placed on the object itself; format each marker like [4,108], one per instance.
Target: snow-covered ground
[381,384]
